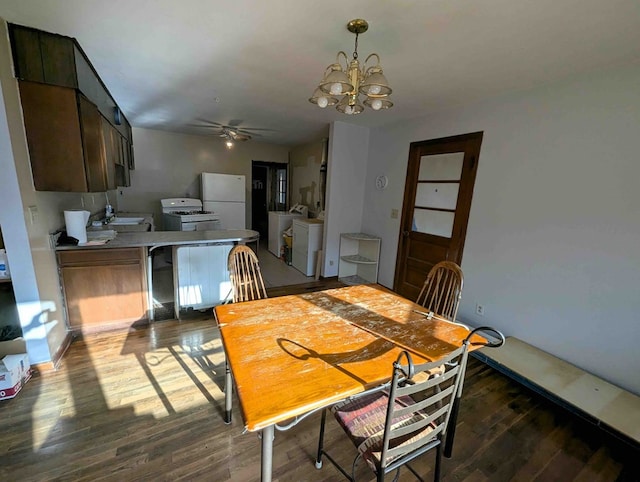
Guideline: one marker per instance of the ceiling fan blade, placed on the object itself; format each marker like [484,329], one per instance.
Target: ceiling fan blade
[257,129]
[237,136]
[247,133]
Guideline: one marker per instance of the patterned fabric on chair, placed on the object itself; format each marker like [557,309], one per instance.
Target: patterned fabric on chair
[390,427]
[363,420]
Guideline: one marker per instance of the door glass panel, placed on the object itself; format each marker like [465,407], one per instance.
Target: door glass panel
[439,223]
[441,167]
[440,195]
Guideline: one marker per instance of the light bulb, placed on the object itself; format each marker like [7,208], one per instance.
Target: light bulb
[376,104]
[374,90]
[323,102]
[336,88]
[229,144]
[348,110]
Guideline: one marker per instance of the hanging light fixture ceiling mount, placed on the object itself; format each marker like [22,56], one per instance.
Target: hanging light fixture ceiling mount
[348,79]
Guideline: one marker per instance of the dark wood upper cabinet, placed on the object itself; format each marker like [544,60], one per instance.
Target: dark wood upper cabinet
[95,160]
[52,126]
[65,138]
[57,60]
[43,57]
[78,139]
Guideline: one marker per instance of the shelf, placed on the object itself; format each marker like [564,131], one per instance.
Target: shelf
[360,236]
[356,258]
[354,280]
[359,256]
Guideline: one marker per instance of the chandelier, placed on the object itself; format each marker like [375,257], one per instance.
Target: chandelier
[343,83]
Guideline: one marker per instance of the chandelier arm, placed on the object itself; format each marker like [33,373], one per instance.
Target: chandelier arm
[346,60]
[377,60]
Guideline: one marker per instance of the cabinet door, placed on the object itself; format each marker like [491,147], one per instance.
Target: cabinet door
[27,57]
[52,127]
[93,144]
[42,56]
[98,296]
[58,64]
[104,287]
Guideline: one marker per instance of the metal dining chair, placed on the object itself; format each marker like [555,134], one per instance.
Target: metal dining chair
[393,426]
[244,272]
[442,290]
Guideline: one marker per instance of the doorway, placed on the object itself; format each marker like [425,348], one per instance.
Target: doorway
[269,192]
[437,199]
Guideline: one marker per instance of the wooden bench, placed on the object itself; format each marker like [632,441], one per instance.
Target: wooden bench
[604,404]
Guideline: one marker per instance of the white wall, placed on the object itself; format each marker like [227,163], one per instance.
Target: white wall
[168,164]
[554,231]
[346,170]
[31,259]
[305,161]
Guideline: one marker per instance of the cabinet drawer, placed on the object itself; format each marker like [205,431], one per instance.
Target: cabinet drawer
[100,256]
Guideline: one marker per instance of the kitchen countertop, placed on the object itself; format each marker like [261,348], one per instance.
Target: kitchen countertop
[155,239]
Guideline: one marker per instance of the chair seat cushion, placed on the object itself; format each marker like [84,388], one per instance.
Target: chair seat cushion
[363,420]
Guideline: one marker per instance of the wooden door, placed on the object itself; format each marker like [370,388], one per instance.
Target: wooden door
[437,200]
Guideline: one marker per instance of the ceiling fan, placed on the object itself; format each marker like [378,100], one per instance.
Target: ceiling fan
[230,132]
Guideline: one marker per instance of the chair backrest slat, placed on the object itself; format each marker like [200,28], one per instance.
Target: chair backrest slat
[419,408]
[244,273]
[442,290]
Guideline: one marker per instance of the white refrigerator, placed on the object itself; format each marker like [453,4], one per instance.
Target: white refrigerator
[225,195]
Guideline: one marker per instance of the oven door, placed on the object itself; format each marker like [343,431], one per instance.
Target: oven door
[201,225]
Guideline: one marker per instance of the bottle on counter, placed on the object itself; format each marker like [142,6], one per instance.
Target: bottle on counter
[108,212]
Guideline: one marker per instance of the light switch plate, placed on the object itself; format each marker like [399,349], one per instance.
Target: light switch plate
[33,214]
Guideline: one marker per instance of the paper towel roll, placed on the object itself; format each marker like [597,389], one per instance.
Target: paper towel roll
[76,222]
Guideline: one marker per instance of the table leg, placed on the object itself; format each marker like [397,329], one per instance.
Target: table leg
[267,453]
[228,392]
[150,285]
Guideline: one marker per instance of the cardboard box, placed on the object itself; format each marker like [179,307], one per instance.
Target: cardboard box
[15,369]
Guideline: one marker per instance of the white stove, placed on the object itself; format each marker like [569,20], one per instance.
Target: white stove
[186,214]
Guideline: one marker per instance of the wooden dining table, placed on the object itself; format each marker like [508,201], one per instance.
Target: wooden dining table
[292,355]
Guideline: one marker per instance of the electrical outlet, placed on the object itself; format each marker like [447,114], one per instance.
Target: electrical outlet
[394,214]
[479,309]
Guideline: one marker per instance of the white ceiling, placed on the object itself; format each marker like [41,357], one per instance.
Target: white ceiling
[166,62]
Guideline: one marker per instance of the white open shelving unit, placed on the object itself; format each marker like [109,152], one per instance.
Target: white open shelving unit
[359,256]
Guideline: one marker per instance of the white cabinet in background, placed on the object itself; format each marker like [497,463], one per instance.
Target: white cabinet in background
[359,255]
[279,221]
[307,241]
[200,276]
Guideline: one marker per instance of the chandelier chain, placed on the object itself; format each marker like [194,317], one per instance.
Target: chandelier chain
[355,52]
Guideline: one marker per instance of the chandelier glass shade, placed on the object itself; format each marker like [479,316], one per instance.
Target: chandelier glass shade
[345,80]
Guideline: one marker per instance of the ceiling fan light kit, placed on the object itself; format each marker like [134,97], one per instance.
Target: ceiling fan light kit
[230,135]
[348,80]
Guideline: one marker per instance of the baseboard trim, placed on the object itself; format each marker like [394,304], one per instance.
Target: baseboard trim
[53,365]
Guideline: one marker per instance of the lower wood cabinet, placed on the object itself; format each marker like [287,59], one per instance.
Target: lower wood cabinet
[103,288]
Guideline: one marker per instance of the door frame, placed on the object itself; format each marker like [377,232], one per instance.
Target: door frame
[468,143]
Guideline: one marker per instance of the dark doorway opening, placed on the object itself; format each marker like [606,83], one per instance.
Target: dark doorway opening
[269,192]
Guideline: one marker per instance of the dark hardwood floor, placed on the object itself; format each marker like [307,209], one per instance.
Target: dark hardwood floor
[146,404]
